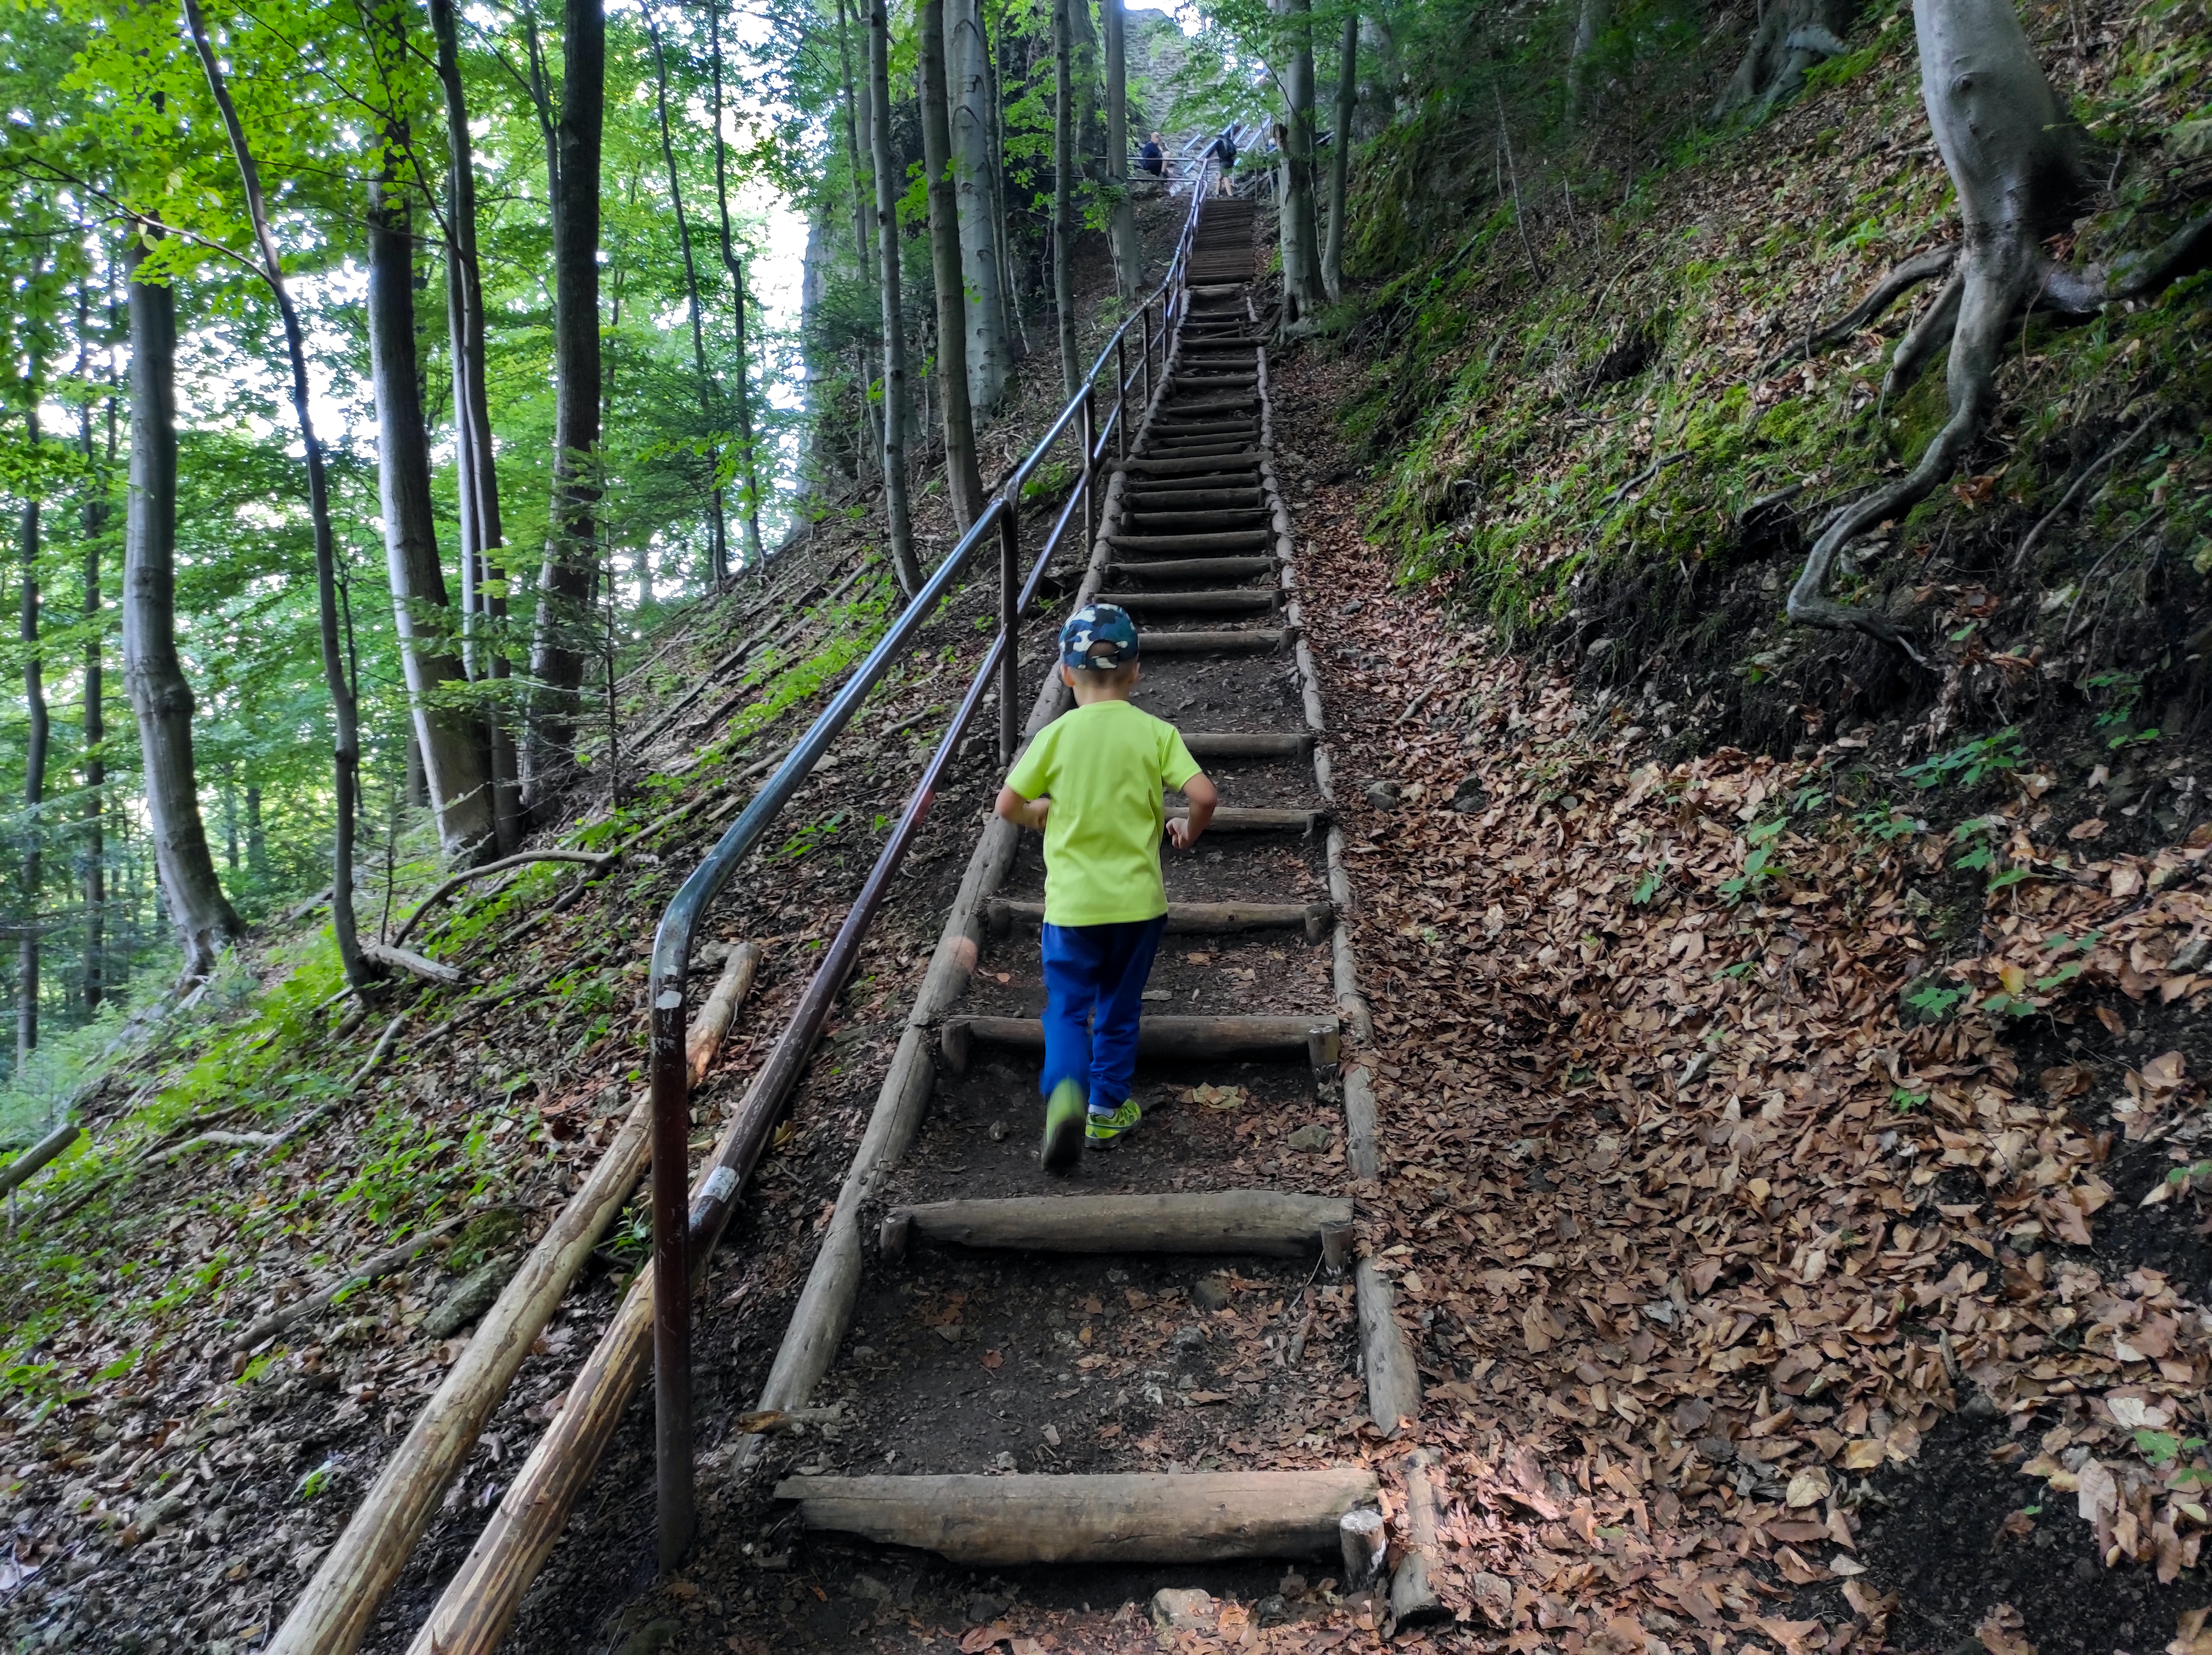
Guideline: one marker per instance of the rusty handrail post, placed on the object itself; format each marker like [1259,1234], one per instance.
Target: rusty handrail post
[1122,396]
[1148,353]
[1010,617]
[670,1080]
[1083,427]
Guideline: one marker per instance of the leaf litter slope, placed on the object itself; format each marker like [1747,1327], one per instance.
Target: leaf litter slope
[1707,1238]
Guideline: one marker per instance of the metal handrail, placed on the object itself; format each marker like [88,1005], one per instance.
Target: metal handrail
[685,1232]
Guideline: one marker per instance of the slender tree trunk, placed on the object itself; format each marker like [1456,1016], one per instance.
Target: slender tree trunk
[864,256]
[1083,67]
[160,699]
[1589,20]
[1063,190]
[562,643]
[1339,155]
[717,526]
[453,763]
[1123,228]
[257,837]
[346,753]
[970,119]
[1302,282]
[34,767]
[962,480]
[1018,337]
[92,979]
[483,580]
[749,463]
[887,256]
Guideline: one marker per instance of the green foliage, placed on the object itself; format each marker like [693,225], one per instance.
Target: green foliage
[1969,762]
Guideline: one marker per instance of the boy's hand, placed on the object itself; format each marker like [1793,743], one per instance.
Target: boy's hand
[1023,813]
[1185,829]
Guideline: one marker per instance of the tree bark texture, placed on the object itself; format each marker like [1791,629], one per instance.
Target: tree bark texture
[887,257]
[966,55]
[1339,156]
[719,549]
[561,642]
[345,715]
[160,699]
[1063,190]
[452,760]
[1589,23]
[741,392]
[1122,228]
[483,598]
[93,977]
[1301,243]
[963,480]
[34,767]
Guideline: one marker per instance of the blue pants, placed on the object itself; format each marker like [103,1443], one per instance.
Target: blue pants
[1094,981]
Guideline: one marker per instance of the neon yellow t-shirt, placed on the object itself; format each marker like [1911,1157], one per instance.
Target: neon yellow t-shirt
[1104,766]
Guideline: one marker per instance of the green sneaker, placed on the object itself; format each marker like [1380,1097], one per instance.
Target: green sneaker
[1063,1127]
[1104,1131]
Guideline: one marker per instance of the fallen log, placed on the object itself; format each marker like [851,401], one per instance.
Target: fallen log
[713,1022]
[415,965]
[1266,1222]
[314,1304]
[589,857]
[38,1155]
[1198,1517]
[1188,1039]
[1191,918]
[1413,1601]
[1393,1384]
[339,1604]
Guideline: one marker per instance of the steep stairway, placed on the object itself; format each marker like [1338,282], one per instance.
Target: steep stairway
[1121,1367]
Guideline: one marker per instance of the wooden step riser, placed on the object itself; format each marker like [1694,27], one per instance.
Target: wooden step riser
[1226,540]
[998,1522]
[1257,640]
[1193,568]
[1002,914]
[1262,601]
[1173,496]
[1266,1222]
[1179,1040]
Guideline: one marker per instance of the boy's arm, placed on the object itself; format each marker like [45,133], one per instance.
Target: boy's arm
[1030,813]
[1184,830]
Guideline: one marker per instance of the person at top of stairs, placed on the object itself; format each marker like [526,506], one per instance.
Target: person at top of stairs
[1091,783]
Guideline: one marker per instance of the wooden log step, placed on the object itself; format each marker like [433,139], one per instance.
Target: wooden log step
[1199,1517]
[1261,819]
[1149,498]
[1249,600]
[1001,914]
[1256,641]
[1195,568]
[1227,540]
[1209,406]
[1201,431]
[1183,448]
[1189,919]
[1249,744]
[1155,523]
[1265,1221]
[1188,1039]
[1188,381]
[1246,464]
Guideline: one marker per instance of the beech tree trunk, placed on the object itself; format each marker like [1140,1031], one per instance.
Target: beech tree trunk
[1589,21]
[856,122]
[452,760]
[1122,228]
[887,256]
[718,550]
[742,396]
[1063,190]
[962,480]
[483,578]
[360,975]
[34,763]
[1339,155]
[1302,289]
[966,52]
[1010,287]
[92,977]
[562,643]
[160,699]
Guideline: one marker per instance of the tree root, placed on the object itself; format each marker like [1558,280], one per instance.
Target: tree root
[592,859]
[2093,470]
[1900,280]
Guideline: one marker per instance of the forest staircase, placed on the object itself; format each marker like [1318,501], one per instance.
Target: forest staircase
[1202,539]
